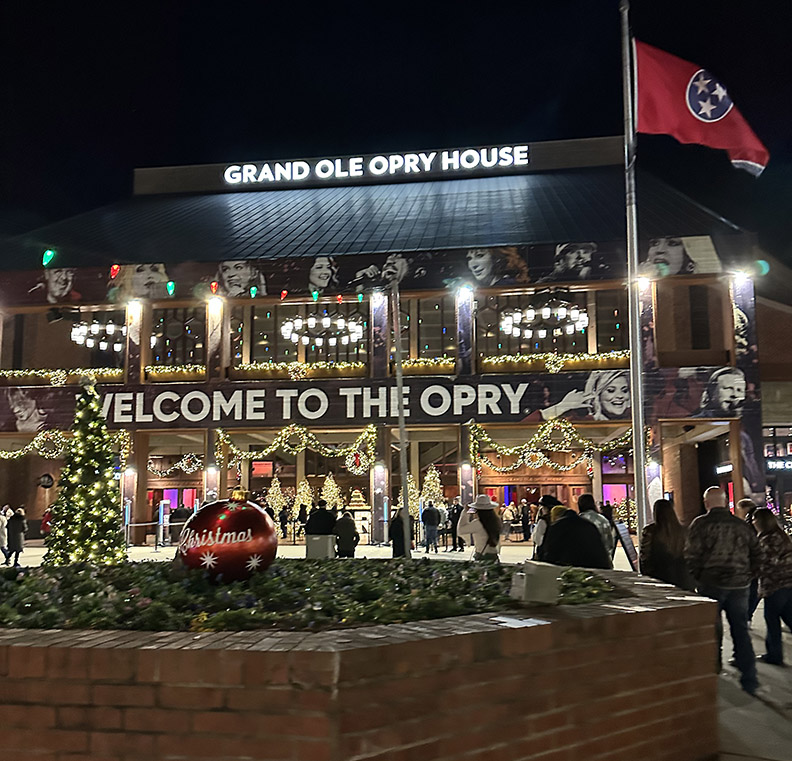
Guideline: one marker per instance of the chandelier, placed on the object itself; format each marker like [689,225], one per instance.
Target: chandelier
[99,335]
[553,316]
[324,330]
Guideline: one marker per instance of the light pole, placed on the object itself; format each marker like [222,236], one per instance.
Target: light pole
[394,295]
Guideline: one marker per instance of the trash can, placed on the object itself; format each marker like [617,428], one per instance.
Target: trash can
[319,546]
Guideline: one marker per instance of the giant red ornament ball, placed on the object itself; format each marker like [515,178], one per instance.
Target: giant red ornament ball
[231,539]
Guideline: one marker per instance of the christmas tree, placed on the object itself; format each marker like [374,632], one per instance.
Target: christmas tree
[332,494]
[304,495]
[413,497]
[87,517]
[275,498]
[432,488]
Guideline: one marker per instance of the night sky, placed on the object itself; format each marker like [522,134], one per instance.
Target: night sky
[90,91]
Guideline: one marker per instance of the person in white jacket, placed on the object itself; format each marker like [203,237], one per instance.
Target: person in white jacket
[480,521]
[4,532]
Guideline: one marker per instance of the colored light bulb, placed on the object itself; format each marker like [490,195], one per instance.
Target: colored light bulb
[315,295]
[253,291]
[170,287]
[114,270]
[360,297]
[213,286]
[48,256]
[284,294]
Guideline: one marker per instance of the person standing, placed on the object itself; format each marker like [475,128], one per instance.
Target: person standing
[321,521]
[662,550]
[454,514]
[431,520]
[509,516]
[480,521]
[178,518]
[4,533]
[587,508]
[283,519]
[572,540]
[302,518]
[17,531]
[722,554]
[525,519]
[396,533]
[775,582]
[745,510]
[347,536]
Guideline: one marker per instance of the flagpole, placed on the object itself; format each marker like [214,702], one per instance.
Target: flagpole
[631,208]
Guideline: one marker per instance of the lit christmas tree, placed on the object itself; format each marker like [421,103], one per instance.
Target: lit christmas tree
[275,498]
[304,496]
[87,517]
[332,494]
[413,497]
[432,488]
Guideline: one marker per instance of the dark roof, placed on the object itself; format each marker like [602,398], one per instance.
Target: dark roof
[586,204]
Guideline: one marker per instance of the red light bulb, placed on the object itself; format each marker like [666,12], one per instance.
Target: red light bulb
[114,270]
[213,286]
[340,299]
[284,294]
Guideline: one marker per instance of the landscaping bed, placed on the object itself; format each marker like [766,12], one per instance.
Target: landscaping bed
[307,595]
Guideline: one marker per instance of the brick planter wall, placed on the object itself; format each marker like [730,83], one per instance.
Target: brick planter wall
[633,679]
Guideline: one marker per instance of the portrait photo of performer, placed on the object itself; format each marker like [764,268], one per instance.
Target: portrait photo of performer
[669,256]
[395,269]
[145,281]
[605,396]
[724,395]
[323,275]
[237,276]
[497,266]
[58,285]
[574,261]
[27,413]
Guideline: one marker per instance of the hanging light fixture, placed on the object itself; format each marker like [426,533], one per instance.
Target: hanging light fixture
[555,315]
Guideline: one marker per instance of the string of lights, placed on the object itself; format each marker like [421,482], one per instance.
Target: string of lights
[294,439]
[554,362]
[154,370]
[60,376]
[302,370]
[188,463]
[532,453]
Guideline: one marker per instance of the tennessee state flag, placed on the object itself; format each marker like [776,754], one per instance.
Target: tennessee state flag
[681,99]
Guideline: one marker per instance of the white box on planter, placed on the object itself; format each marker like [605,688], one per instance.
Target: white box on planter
[536,583]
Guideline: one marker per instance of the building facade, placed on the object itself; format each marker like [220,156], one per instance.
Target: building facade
[240,327]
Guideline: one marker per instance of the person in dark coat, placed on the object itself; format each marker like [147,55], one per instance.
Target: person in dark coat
[662,549]
[431,520]
[571,540]
[17,530]
[321,521]
[283,519]
[178,518]
[396,533]
[454,512]
[347,536]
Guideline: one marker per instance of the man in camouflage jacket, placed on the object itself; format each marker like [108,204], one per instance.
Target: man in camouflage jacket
[722,553]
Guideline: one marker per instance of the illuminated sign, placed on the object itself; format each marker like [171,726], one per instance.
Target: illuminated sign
[779,464]
[490,160]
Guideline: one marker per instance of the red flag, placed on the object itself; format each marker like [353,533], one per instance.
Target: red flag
[681,99]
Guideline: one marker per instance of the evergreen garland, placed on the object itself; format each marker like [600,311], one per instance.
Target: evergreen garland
[87,519]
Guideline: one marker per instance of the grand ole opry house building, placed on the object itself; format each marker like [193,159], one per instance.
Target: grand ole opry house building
[237,321]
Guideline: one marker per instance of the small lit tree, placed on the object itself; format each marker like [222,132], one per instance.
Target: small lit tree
[413,497]
[304,495]
[87,518]
[432,488]
[275,498]
[332,494]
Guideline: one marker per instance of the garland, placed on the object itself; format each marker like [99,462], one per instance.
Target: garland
[294,439]
[53,444]
[188,463]
[59,376]
[298,370]
[168,369]
[47,444]
[531,454]
[553,361]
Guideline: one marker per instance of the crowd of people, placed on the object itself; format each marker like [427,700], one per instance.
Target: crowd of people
[736,559]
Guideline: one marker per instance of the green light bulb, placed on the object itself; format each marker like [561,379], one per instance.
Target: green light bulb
[315,295]
[360,297]
[253,291]
[170,287]
[48,256]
